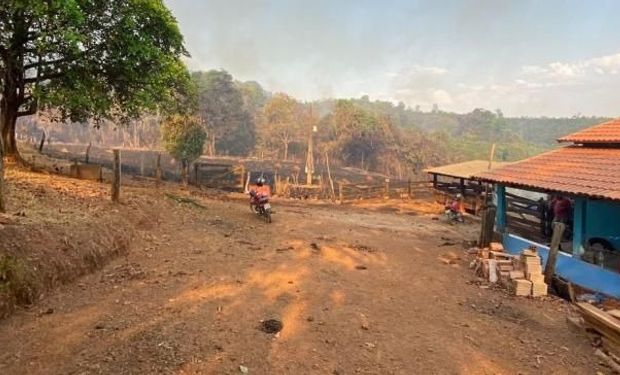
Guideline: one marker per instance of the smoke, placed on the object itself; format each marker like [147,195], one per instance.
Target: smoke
[458,54]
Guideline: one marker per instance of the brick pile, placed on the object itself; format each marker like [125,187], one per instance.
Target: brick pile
[522,273]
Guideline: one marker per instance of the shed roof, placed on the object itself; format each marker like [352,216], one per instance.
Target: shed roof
[466,169]
[575,170]
[607,132]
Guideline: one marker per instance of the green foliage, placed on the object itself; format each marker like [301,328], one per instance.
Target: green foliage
[183,137]
[91,58]
[221,109]
[280,124]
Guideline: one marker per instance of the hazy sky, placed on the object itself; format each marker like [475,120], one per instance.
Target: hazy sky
[538,57]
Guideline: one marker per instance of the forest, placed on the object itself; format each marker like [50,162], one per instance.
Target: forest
[243,119]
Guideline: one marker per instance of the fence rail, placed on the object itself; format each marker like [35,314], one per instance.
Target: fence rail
[523,217]
[388,189]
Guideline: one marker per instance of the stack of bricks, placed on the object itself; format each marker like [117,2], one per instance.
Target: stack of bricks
[523,274]
[494,264]
[531,276]
[533,272]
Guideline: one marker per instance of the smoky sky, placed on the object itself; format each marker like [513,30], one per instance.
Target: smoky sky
[532,58]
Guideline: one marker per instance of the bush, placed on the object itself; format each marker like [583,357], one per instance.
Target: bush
[183,137]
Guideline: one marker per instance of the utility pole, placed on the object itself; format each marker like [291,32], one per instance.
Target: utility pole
[310,155]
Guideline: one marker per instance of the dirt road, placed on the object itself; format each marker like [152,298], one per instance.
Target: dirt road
[358,292]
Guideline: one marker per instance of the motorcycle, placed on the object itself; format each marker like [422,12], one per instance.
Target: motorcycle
[259,204]
[454,216]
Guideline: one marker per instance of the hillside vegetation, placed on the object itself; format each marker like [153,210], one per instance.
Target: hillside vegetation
[243,119]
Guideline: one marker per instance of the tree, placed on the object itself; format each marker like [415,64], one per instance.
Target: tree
[86,58]
[184,138]
[280,122]
[220,108]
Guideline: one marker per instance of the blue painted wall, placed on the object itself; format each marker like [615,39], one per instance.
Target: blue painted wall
[576,271]
[603,220]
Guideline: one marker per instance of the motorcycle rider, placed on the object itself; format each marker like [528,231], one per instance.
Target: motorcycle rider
[261,187]
[259,190]
[455,208]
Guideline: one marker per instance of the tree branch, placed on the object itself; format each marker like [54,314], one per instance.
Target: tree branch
[44,77]
[43,63]
[28,112]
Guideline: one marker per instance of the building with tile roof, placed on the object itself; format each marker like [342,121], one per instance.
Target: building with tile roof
[587,171]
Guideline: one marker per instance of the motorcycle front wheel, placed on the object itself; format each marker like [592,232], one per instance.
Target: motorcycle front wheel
[267,214]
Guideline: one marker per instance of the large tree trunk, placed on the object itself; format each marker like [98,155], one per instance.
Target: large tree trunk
[2,189]
[8,119]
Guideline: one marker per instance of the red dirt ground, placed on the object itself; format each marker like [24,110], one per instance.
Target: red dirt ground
[359,291]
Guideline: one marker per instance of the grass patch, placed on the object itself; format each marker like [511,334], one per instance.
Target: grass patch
[18,284]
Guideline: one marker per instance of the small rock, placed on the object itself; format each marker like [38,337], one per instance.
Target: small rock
[100,326]
[361,267]
[243,369]
[48,311]
[310,319]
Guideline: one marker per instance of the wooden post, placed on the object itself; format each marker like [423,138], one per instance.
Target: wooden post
[196,173]
[247,182]
[486,228]
[486,186]
[158,169]
[387,187]
[409,188]
[87,156]
[491,156]
[556,239]
[116,175]
[329,176]
[242,177]
[42,142]
[184,172]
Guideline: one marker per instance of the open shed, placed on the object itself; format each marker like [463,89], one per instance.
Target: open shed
[449,180]
[587,171]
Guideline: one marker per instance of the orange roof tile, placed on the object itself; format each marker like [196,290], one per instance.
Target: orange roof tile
[607,132]
[576,170]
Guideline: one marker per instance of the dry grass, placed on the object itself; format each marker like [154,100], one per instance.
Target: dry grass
[56,229]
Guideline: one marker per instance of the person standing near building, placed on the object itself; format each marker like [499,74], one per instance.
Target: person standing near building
[561,210]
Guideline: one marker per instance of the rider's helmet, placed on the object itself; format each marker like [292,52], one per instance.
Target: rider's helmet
[459,196]
[260,181]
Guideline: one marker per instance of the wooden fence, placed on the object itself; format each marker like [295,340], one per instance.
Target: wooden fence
[221,176]
[473,193]
[388,189]
[523,217]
